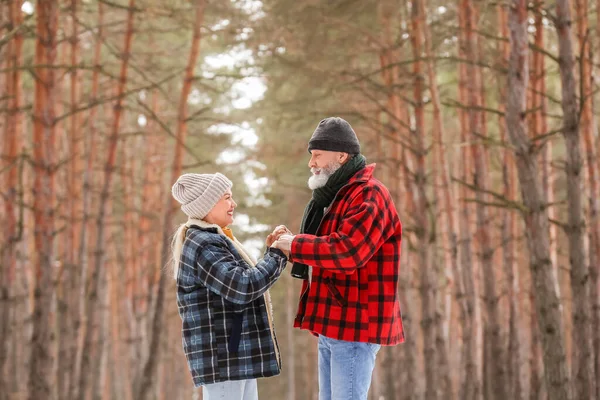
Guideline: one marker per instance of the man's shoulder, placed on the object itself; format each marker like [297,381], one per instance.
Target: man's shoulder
[372,186]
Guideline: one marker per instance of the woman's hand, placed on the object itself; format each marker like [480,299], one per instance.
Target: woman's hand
[277,232]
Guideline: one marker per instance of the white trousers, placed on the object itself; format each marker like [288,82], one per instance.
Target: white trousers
[231,390]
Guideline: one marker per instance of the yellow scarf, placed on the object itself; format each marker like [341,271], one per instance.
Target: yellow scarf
[229,233]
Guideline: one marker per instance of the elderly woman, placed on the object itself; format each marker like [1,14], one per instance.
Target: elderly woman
[222,293]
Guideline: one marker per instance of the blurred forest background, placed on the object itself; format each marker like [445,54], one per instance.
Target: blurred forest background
[480,115]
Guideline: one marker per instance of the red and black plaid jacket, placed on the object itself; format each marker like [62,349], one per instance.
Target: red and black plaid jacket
[355,257]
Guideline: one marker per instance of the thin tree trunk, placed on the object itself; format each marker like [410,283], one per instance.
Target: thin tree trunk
[538,384]
[75,140]
[145,381]
[120,365]
[74,218]
[495,380]
[104,200]
[514,362]
[85,325]
[588,130]
[152,209]
[470,381]
[414,388]
[129,329]
[65,280]
[583,368]
[536,219]
[536,363]
[594,263]
[446,197]
[427,276]
[290,313]
[12,227]
[103,385]
[43,199]
[291,363]
[393,113]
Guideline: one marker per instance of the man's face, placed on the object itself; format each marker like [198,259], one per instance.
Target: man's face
[322,165]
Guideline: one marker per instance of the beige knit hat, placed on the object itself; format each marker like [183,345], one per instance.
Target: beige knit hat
[198,193]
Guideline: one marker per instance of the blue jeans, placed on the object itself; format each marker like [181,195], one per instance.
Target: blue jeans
[231,390]
[345,369]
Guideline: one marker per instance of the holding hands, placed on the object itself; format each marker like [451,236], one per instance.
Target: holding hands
[281,238]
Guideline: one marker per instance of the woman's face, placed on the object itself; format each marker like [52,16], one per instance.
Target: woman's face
[222,213]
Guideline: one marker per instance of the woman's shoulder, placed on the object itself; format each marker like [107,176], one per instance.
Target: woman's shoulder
[199,240]
[203,235]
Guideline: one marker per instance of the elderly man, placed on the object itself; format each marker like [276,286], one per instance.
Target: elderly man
[348,255]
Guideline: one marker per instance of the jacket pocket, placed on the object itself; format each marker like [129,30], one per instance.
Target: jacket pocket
[335,293]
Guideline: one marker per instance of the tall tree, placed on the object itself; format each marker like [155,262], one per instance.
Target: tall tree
[471,380]
[514,360]
[589,127]
[43,197]
[441,168]
[142,388]
[492,341]
[428,279]
[12,142]
[85,324]
[101,222]
[547,303]
[583,368]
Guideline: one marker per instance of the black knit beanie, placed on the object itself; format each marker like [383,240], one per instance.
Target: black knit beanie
[334,134]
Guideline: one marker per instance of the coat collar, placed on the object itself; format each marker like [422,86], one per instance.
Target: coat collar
[364,174]
[203,225]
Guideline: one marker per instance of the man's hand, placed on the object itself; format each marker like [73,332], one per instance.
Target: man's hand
[277,232]
[284,242]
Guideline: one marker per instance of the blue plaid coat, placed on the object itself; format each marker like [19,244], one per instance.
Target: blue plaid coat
[226,329]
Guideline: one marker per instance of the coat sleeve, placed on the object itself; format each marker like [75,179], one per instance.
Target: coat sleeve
[366,225]
[233,279]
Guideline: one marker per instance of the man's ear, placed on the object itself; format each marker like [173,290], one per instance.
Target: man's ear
[343,157]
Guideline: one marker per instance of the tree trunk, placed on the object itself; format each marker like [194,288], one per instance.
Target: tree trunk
[588,130]
[130,329]
[145,381]
[514,361]
[12,226]
[104,200]
[536,219]
[291,363]
[85,324]
[495,380]
[449,241]
[388,59]
[120,363]
[536,364]
[470,387]
[538,385]
[583,368]
[428,280]
[75,141]
[43,199]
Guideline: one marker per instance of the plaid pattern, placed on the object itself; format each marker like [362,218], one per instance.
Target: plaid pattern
[353,293]
[214,287]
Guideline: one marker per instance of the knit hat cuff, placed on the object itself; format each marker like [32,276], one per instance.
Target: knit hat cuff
[202,205]
[332,145]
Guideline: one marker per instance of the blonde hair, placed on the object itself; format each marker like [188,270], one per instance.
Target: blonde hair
[177,247]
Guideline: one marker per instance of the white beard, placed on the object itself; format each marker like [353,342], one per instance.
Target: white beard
[320,180]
